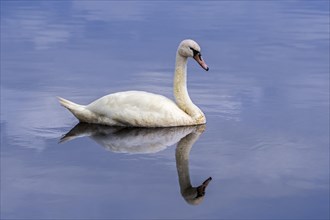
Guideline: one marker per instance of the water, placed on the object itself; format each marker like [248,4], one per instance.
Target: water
[266,99]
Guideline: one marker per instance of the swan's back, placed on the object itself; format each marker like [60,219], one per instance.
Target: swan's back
[140,109]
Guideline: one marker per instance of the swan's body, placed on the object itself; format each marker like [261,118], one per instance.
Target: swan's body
[143,109]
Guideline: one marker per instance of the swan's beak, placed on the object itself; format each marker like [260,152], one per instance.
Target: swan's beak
[198,58]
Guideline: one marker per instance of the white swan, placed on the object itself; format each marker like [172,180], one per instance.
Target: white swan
[143,109]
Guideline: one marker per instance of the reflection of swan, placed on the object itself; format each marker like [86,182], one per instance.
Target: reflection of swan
[193,195]
[128,139]
[149,140]
[143,109]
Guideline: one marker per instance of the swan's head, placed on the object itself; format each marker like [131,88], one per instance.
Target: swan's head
[189,48]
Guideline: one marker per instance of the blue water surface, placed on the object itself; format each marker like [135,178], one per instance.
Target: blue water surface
[266,99]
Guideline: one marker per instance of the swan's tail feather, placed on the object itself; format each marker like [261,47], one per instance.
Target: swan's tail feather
[79,111]
[68,104]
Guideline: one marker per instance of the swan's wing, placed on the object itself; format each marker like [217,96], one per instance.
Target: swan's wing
[138,108]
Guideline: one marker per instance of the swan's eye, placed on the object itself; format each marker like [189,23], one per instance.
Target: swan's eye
[194,51]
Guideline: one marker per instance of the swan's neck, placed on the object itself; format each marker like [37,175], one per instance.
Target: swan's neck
[181,93]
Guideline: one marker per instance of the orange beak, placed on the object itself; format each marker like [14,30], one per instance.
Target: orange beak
[198,58]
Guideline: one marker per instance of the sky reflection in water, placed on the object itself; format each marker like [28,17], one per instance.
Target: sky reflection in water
[266,98]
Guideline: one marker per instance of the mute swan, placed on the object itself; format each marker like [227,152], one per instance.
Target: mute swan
[143,109]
